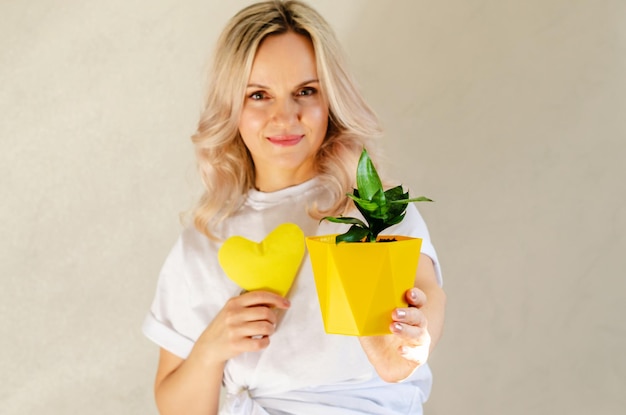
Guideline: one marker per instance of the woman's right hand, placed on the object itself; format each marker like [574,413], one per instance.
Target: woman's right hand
[193,385]
[243,325]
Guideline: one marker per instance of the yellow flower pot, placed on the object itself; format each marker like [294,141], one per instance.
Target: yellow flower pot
[359,284]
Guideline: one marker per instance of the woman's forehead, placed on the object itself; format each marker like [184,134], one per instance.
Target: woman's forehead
[284,58]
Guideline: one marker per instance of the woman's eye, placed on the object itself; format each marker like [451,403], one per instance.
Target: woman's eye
[307,91]
[256,96]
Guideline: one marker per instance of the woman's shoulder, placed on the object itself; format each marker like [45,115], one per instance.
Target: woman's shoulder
[191,243]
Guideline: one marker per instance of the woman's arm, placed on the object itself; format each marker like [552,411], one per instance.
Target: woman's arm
[415,330]
[192,386]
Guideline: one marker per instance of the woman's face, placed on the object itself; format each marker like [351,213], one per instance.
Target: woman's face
[284,117]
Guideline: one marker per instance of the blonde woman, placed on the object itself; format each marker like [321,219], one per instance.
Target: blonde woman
[279,139]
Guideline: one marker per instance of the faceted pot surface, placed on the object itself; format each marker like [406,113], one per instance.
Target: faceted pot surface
[359,284]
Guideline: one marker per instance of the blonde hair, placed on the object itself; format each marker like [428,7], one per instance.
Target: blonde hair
[224,163]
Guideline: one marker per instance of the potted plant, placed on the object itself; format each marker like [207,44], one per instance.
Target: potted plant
[360,275]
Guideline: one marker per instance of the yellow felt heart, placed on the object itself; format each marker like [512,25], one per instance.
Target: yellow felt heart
[269,265]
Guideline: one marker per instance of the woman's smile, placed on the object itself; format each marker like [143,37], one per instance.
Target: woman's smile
[286,140]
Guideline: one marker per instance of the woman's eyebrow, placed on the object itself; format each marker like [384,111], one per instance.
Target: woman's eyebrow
[311,81]
[256,86]
[260,86]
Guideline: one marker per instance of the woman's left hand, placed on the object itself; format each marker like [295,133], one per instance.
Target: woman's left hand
[411,327]
[414,329]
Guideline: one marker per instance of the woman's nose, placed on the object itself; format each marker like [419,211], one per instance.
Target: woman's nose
[286,111]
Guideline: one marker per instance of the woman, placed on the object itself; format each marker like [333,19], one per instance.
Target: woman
[278,141]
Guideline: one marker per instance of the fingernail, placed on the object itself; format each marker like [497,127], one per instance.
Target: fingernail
[400,313]
[413,294]
[397,326]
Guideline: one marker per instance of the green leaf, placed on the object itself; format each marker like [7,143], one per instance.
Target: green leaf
[381,213]
[367,179]
[414,199]
[395,220]
[396,209]
[365,204]
[345,220]
[379,197]
[396,193]
[354,234]
[367,214]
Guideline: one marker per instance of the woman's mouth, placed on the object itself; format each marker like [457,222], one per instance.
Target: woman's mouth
[286,140]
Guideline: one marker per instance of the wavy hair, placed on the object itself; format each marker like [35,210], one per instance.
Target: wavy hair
[225,165]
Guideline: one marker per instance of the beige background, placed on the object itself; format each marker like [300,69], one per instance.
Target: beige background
[509,113]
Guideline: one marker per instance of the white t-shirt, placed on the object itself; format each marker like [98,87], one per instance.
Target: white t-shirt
[303,370]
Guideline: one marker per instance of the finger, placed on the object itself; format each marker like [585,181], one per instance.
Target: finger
[412,316]
[234,315]
[254,298]
[251,344]
[258,313]
[239,337]
[247,336]
[256,343]
[415,297]
[257,329]
[415,335]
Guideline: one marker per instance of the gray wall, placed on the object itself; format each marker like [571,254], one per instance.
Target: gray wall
[508,113]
